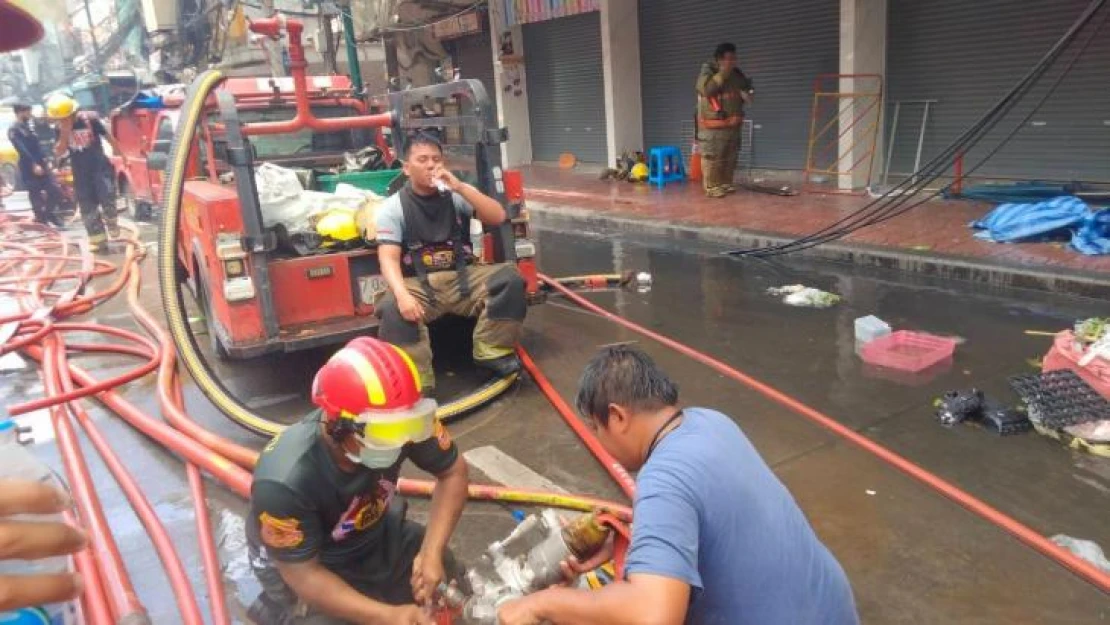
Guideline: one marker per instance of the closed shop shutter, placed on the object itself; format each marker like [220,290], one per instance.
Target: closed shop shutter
[566,90]
[782,46]
[967,55]
[473,55]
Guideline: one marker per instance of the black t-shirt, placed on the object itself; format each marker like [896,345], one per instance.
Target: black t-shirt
[86,150]
[304,506]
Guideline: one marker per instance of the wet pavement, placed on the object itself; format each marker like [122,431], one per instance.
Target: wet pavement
[913,556]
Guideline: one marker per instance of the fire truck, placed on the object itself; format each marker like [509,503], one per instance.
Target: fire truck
[256,297]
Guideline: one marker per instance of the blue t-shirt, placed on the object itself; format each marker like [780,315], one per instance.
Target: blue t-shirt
[711,513]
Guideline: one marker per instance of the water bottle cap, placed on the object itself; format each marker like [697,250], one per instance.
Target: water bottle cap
[7,424]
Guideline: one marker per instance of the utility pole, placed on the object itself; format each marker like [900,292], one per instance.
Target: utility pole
[92,35]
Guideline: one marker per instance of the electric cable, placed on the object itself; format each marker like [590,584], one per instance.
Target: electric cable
[903,191]
[982,161]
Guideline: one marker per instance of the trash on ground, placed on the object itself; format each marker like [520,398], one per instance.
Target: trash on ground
[955,407]
[870,492]
[1057,399]
[1058,217]
[1003,419]
[1086,549]
[801,295]
[908,351]
[1070,352]
[870,328]
[1092,330]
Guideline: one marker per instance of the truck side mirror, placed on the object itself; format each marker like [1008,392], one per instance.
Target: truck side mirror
[157,161]
[161,145]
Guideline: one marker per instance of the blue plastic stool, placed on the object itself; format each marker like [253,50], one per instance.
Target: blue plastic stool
[665,165]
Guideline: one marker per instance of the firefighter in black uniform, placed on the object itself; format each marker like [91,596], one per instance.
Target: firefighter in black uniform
[82,134]
[42,188]
[327,535]
[425,256]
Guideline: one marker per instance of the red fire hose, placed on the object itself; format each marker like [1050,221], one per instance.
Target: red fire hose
[1022,532]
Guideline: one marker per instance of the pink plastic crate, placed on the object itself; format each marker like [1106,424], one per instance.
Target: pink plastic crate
[908,351]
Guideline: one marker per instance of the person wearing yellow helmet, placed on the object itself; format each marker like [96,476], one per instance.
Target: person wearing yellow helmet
[82,134]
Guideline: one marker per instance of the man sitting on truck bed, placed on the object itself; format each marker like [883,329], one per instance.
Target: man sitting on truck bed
[426,259]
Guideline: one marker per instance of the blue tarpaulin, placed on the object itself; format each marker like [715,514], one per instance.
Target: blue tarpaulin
[1008,223]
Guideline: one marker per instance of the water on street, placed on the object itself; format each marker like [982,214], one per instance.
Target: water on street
[912,555]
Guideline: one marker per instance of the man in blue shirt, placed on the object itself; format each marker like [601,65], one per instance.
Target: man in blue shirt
[716,538]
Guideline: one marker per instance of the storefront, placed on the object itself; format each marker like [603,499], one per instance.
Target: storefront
[782,45]
[966,55]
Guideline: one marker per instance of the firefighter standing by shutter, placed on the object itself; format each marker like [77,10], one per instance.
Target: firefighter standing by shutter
[81,134]
[424,252]
[722,92]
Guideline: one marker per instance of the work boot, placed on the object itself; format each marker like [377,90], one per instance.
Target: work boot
[716,192]
[113,231]
[728,188]
[501,367]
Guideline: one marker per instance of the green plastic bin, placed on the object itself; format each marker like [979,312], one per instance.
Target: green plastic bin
[376,181]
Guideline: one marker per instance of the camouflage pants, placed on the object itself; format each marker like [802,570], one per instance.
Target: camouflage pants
[496,298]
[720,150]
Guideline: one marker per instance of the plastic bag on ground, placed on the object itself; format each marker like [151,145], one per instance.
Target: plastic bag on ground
[1086,549]
[801,295]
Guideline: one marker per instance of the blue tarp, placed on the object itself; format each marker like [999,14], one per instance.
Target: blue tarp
[1008,223]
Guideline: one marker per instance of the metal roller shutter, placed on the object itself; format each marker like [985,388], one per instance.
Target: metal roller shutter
[474,56]
[566,90]
[782,45]
[967,54]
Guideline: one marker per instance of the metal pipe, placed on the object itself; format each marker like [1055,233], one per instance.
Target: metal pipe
[273,27]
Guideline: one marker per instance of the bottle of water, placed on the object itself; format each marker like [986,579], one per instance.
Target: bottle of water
[20,464]
[477,239]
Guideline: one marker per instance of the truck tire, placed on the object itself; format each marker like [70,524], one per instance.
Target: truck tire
[205,306]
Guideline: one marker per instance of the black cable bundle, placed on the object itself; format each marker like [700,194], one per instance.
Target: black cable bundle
[891,204]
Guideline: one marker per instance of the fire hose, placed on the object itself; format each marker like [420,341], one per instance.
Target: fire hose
[173,303]
[109,595]
[29,270]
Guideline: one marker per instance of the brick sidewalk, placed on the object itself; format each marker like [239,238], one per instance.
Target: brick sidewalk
[937,228]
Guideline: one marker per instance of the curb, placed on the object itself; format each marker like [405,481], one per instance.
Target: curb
[996,274]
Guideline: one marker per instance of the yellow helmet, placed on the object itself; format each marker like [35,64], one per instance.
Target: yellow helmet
[61,106]
[338,224]
[639,173]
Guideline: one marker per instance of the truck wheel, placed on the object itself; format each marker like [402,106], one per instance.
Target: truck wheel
[209,321]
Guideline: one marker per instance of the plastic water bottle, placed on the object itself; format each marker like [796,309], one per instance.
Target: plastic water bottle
[477,239]
[20,464]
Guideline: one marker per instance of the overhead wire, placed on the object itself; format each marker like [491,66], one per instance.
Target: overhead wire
[931,171]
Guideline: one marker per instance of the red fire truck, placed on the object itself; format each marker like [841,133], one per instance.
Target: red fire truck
[256,297]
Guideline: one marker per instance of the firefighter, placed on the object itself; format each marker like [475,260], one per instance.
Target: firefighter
[425,258]
[42,188]
[81,134]
[722,92]
[328,539]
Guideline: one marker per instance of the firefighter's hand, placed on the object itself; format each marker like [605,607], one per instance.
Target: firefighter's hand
[448,179]
[25,540]
[572,567]
[427,573]
[409,615]
[410,309]
[38,170]
[518,612]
